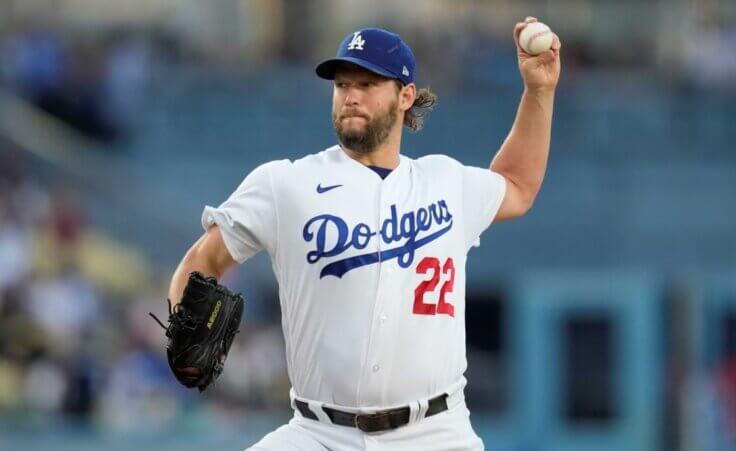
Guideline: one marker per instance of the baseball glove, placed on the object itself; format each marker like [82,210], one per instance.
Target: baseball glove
[200,331]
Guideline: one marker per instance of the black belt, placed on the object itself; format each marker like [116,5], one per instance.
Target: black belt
[374,422]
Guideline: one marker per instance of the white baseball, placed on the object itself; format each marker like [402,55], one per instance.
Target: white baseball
[536,38]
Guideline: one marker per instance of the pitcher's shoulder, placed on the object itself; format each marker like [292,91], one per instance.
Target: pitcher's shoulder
[301,168]
[437,163]
[325,156]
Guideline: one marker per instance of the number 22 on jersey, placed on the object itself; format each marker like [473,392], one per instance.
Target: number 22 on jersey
[432,264]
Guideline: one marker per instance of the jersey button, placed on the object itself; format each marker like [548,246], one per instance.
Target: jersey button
[384,318]
[376,368]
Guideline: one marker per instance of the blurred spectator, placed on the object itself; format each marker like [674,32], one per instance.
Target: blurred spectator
[65,305]
[710,56]
[22,200]
[45,385]
[126,75]
[257,368]
[35,63]
[15,251]
[140,392]
[67,219]
[21,205]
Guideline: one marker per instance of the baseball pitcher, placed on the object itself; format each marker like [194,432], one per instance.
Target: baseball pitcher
[369,249]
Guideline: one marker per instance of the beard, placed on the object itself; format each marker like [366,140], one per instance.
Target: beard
[374,133]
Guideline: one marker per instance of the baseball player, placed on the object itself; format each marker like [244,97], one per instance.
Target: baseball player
[369,249]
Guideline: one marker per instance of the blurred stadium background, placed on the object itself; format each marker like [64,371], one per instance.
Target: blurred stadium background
[603,320]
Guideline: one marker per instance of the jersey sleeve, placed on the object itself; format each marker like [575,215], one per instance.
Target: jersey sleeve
[483,193]
[248,218]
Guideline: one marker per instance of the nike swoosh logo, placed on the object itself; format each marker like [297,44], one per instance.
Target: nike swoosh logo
[323,189]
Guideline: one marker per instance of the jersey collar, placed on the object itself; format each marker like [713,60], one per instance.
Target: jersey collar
[403,166]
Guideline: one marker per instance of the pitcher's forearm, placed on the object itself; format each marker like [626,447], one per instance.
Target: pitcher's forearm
[194,260]
[523,156]
[180,278]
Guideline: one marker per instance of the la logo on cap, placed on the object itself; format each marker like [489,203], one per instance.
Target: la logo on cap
[357,43]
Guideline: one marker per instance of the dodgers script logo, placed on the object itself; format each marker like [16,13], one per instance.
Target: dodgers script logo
[435,220]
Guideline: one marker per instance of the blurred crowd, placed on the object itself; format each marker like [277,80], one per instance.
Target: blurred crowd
[75,335]
[95,83]
[96,80]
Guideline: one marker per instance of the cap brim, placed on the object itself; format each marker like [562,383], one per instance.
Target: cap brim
[326,69]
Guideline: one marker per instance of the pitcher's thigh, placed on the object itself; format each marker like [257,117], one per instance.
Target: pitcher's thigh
[447,431]
[289,437]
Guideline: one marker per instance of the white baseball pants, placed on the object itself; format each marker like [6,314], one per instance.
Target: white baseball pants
[446,431]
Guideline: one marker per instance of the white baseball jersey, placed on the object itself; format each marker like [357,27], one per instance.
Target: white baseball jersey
[371,271]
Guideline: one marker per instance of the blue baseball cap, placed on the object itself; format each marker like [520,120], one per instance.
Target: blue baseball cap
[376,50]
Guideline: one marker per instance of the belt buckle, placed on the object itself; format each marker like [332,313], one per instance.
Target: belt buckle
[356,421]
[365,424]
[368,426]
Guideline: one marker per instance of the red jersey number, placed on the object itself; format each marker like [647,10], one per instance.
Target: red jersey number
[432,264]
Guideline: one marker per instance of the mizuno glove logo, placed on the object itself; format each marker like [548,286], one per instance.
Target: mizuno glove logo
[213,316]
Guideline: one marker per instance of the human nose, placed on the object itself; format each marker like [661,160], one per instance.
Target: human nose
[352,97]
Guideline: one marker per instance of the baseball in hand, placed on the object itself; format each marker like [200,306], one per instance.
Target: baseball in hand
[536,38]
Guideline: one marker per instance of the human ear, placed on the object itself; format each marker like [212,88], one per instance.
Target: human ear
[407,95]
